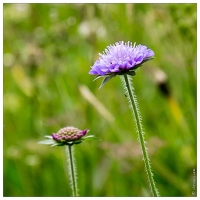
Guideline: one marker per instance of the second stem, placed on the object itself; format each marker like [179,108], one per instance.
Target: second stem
[72,171]
[134,107]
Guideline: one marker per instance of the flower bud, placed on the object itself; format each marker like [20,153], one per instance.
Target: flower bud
[68,134]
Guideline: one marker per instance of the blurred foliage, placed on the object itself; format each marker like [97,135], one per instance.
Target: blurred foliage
[48,51]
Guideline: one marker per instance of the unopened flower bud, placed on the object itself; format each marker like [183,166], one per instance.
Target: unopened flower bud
[68,134]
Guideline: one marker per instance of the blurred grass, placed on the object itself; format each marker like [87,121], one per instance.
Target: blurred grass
[48,51]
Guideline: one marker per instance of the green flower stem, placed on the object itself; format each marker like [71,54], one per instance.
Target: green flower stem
[127,83]
[72,170]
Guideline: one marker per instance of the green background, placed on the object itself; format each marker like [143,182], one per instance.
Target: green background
[48,51]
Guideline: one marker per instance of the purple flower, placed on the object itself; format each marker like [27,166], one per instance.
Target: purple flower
[68,134]
[121,58]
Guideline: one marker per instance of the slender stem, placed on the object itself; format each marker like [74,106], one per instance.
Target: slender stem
[72,171]
[127,82]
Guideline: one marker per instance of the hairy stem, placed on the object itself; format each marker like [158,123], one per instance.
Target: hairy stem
[127,83]
[72,170]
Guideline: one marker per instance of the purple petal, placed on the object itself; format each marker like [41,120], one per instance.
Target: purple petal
[54,136]
[83,132]
[149,53]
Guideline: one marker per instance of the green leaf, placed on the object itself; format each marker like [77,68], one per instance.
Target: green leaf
[97,77]
[147,59]
[50,141]
[131,73]
[56,144]
[106,79]
[48,136]
[91,137]
[77,141]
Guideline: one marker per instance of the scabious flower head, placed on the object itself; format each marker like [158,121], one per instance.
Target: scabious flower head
[68,134]
[121,58]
